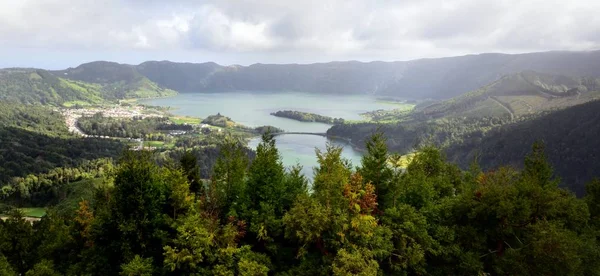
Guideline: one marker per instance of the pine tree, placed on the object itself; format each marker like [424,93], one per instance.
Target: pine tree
[375,168]
[189,164]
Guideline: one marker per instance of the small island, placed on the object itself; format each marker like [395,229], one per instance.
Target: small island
[307,117]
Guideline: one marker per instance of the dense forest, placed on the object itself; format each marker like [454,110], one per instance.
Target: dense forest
[37,86]
[31,86]
[405,136]
[254,217]
[35,139]
[307,117]
[570,135]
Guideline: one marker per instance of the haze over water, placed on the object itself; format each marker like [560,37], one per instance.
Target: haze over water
[253,109]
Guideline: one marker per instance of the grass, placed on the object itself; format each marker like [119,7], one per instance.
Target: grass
[404,160]
[185,120]
[157,144]
[34,212]
[74,103]
[397,114]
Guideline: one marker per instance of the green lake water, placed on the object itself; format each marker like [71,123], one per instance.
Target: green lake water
[253,109]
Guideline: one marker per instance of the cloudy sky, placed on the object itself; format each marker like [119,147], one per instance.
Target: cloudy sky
[63,33]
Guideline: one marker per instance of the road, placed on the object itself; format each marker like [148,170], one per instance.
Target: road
[512,115]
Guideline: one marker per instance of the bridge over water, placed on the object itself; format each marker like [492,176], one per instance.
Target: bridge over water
[302,133]
[347,140]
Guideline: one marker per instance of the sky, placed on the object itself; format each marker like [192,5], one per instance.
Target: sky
[56,34]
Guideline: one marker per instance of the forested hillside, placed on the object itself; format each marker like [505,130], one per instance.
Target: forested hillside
[34,86]
[257,218]
[35,139]
[517,95]
[120,80]
[570,137]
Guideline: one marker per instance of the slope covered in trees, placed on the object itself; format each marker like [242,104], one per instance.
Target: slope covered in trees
[570,137]
[517,95]
[257,218]
[34,86]
[120,80]
[35,139]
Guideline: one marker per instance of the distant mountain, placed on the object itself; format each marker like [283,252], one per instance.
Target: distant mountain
[570,136]
[516,95]
[439,78]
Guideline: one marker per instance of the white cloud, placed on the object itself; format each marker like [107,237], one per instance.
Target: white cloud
[334,28]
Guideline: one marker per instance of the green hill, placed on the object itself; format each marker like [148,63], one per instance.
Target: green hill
[119,81]
[518,95]
[570,136]
[33,86]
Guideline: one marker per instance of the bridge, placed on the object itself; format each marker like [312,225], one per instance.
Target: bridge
[302,133]
[347,140]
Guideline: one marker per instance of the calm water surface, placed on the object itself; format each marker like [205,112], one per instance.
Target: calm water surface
[253,109]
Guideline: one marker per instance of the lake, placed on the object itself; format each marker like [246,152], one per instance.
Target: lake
[253,109]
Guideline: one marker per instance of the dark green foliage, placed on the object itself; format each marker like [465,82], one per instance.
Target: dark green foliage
[16,242]
[260,219]
[137,267]
[5,267]
[405,136]
[24,152]
[35,141]
[569,137]
[375,168]
[307,117]
[135,223]
[228,180]
[53,186]
[189,165]
[35,118]
[43,268]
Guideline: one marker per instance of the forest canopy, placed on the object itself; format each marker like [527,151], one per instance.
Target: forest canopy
[255,217]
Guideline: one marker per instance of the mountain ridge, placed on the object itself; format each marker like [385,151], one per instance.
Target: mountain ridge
[438,78]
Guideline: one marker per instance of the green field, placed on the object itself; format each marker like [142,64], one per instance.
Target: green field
[34,212]
[158,144]
[185,120]
[74,103]
[397,114]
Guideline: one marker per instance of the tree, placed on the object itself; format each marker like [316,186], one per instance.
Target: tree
[189,165]
[375,168]
[43,268]
[16,241]
[138,266]
[228,180]
[134,222]
[5,268]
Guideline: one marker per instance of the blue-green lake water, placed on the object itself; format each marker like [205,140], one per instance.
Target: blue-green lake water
[253,109]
